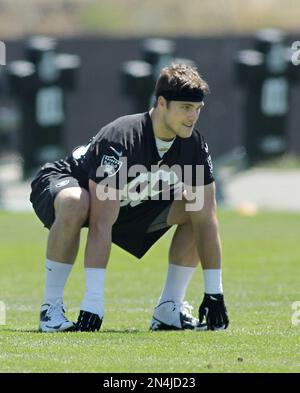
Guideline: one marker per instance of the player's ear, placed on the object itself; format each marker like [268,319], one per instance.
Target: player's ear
[161,102]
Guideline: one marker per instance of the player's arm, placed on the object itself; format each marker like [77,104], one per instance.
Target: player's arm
[103,214]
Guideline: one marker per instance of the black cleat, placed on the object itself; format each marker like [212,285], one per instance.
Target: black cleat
[88,322]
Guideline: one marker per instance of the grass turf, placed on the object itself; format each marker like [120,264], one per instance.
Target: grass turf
[260,277]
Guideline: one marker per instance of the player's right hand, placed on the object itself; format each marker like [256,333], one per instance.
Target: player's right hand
[214,312]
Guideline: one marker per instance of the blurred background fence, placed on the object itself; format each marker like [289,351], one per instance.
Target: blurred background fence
[99,99]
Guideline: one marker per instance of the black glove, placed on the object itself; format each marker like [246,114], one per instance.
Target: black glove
[214,310]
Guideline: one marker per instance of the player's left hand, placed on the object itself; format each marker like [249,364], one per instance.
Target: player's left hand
[214,311]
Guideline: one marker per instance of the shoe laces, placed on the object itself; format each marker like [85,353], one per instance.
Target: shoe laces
[56,312]
[184,308]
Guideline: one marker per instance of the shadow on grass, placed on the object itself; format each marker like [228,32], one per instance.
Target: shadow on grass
[128,331]
[19,330]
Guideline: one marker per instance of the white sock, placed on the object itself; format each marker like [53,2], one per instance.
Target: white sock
[93,300]
[177,280]
[57,274]
[213,281]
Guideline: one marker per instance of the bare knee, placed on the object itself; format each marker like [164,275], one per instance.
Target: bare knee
[72,206]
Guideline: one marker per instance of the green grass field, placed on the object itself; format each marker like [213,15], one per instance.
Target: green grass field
[260,277]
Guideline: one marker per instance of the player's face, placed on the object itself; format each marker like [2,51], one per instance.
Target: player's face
[180,117]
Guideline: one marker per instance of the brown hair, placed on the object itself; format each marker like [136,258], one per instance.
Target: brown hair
[179,77]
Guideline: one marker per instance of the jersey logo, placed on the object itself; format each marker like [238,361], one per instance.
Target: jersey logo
[110,165]
[62,183]
[210,164]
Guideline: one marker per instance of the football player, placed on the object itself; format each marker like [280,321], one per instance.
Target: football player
[102,186]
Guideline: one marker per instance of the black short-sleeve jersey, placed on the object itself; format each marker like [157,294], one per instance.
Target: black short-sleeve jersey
[124,155]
